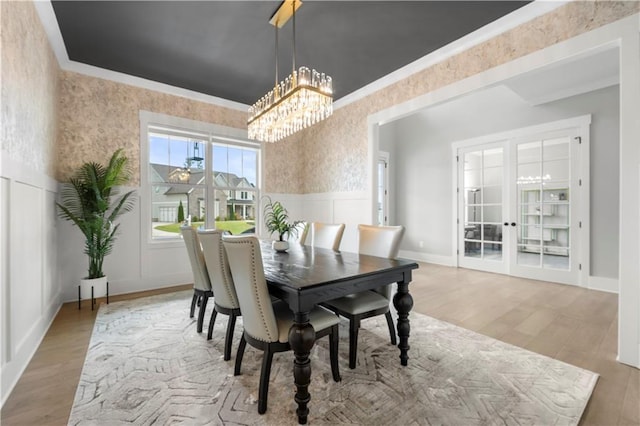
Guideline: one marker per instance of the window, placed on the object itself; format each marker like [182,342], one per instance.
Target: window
[199,177]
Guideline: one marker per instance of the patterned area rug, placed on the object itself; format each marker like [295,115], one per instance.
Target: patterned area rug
[147,365]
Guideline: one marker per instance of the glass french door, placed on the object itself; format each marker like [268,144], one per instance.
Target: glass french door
[545,208]
[518,207]
[482,208]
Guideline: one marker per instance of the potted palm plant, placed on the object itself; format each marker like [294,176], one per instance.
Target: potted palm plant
[91,201]
[276,219]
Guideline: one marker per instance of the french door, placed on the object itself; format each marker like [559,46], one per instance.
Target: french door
[518,206]
[482,208]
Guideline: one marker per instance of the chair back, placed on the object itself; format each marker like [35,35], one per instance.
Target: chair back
[326,235]
[381,241]
[218,268]
[196,258]
[245,261]
[303,231]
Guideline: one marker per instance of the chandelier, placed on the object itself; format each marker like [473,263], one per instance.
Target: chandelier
[302,99]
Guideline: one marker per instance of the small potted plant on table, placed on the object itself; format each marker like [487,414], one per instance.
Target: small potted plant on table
[276,219]
[90,201]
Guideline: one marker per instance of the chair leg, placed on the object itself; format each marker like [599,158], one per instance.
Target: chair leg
[212,322]
[193,305]
[392,329]
[354,326]
[265,372]
[239,355]
[203,307]
[334,338]
[231,324]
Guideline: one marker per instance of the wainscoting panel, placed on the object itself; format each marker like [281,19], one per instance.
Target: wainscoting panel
[25,265]
[134,265]
[4,274]
[30,290]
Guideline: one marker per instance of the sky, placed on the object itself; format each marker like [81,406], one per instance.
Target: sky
[173,151]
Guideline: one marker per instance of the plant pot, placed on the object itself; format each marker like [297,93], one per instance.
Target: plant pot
[99,287]
[280,246]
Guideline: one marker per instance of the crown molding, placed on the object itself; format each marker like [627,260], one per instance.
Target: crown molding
[518,17]
[499,26]
[50,24]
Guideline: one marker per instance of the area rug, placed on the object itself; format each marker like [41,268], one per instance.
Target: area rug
[146,365]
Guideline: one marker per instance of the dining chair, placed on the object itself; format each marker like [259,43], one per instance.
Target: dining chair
[302,229]
[381,241]
[326,235]
[266,324]
[226,300]
[202,290]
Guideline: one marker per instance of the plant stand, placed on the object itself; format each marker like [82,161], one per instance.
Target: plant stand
[93,299]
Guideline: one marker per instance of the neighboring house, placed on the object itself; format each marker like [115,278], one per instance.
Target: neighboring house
[175,185]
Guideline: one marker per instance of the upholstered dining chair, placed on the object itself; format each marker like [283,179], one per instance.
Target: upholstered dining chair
[327,235]
[202,290]
[226,300]
[302,229]
[267,324]
[381,241]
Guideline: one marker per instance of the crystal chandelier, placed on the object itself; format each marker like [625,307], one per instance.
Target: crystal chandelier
[302,99]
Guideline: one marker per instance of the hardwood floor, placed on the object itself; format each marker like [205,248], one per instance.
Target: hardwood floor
[571,324]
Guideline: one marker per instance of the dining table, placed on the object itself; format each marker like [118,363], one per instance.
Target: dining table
[305,276]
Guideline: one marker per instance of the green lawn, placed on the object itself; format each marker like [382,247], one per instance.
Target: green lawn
[234,226]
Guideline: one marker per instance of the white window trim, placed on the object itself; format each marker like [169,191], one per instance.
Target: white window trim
[214,132]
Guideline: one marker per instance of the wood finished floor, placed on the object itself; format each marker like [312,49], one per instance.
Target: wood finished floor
[571,324]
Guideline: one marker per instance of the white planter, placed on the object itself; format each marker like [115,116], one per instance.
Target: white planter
[99,287]
[280,246]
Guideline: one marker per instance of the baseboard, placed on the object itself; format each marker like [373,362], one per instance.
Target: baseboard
[428,258]
[609,285]
[12,372]
[118,287]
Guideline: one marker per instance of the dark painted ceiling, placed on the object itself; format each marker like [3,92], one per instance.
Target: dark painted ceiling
[227,48]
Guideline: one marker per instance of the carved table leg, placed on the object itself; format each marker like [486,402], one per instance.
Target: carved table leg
[403,303]
[302,336]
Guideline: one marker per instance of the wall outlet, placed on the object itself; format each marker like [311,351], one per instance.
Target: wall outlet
[421,244]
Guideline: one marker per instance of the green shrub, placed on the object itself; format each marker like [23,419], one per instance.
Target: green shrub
[180,213]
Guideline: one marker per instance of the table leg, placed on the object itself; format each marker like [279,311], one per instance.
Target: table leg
[302,336]
[403,303]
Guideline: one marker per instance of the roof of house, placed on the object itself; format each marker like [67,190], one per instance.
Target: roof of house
[196,176]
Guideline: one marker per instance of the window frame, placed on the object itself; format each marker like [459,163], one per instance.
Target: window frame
[151,122]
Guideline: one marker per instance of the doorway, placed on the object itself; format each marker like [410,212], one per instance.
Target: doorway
[383,189]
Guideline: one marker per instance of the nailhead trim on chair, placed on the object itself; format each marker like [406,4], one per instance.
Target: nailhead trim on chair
[225,271]
[254,279]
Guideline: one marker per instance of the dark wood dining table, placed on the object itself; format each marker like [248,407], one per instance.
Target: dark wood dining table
[305,276]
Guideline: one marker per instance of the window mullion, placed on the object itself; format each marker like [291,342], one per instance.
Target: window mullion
[210,220]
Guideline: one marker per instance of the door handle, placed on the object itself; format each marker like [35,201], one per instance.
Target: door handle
[513,224]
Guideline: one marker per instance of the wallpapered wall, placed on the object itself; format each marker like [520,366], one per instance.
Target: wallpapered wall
[98,116]
[335,151]
[29,91]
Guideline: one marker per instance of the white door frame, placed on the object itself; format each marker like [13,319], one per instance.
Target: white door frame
[581,124]
[384,156]
[624,35]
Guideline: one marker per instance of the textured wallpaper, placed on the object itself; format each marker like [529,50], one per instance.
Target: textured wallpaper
[29,89]
[99,116]
[334,153]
